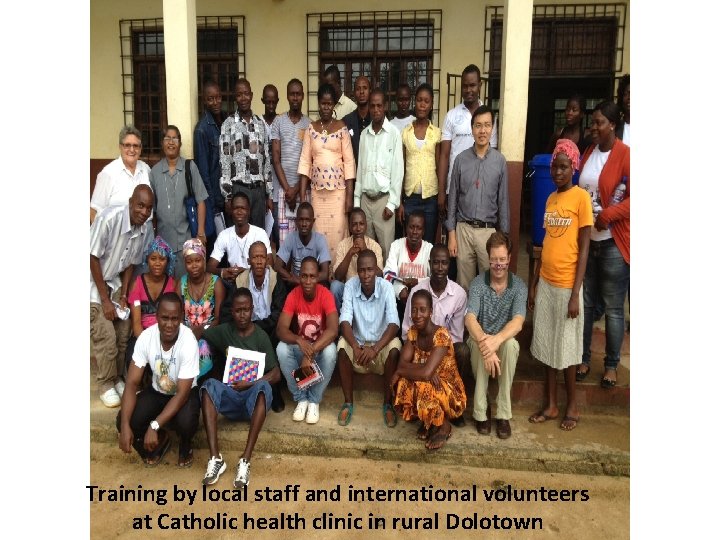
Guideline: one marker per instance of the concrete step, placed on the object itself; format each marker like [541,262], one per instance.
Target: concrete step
[599,445]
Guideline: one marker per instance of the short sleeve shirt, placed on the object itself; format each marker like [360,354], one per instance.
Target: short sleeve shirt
[225,335]
[293,248]
[344,246]
[291,138]
[237,248]
[181,362]
[494,311]
[309,318]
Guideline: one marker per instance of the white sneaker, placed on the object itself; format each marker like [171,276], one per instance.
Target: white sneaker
[110,398]
[120,387]
[300,410]
[313,413]
[215,467]
[242,476]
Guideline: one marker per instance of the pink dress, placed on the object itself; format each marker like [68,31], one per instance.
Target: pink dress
[328,160]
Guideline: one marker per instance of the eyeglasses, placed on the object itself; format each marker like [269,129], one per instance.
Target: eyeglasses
[171,139]
[128,146]
[482,126]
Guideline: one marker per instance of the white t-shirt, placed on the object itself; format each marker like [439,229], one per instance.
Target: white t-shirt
[238,249]
[400,123]
[589,182]
[180,362]
[626,134]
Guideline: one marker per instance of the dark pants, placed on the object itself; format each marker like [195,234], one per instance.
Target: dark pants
[149,405]
[429,207]
[258,202]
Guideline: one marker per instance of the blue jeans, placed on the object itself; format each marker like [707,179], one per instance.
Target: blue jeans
[337,288]
[607,276]
[430,207]
[289,358]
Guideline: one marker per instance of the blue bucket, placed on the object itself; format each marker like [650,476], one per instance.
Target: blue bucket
[542,187]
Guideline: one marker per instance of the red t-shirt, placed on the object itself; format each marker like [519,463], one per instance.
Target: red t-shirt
[309,318]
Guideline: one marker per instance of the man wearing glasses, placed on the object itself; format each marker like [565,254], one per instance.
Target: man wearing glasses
[478,203]
[495,314]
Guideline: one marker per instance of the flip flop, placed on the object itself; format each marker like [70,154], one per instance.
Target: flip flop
[608,383]
[345,407]
[569,422]
[539,417]
[186,460]
[154,459]
[438,437]
[422,432]
[388,407]
[581,375]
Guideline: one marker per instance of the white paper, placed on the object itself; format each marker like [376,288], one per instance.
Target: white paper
[219,223]
[235,352]
[269,222]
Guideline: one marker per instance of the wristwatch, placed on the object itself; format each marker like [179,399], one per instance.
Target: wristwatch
[154,425]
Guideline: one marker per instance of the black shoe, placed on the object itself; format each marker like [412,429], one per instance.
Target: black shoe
[503,428]
[278,404]
[458,422]
[483,428]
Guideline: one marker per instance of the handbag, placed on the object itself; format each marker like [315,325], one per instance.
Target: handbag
[191,207]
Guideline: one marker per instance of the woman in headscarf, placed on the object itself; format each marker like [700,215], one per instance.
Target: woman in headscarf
[203,294]
[556,290]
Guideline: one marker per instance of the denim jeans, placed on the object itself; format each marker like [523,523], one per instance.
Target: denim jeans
[607,276]
[337,288]
[290,356]
[430,207]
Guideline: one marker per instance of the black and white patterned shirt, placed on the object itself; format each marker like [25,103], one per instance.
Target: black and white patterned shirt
[244,154]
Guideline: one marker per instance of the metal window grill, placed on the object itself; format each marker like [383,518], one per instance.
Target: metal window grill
[567,40]
[388,47]
[220,56]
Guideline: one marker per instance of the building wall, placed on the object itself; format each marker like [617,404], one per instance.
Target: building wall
[275,47]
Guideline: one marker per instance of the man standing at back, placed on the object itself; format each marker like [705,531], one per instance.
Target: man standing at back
[359,118]
[380,173]
[245,157]
[478,201]
[118,238]
[287,134]
[456,133]
[344,105]
[270,101]
[206,146]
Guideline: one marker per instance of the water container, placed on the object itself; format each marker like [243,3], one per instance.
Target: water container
[542,187]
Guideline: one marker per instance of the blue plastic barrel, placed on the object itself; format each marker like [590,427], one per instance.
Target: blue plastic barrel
[542,187]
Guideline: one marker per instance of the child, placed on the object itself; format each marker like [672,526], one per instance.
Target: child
[557,282]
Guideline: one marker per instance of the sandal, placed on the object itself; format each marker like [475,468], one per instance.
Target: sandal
[580,375]
[345,407]
[393,422]
[540,417]
[438,438]
[422,432]
[155,458]
[569,422]
[186,460]
[608,383]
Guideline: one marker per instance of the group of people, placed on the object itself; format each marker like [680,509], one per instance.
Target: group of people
[331,283]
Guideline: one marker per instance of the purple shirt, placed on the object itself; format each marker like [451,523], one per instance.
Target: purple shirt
[448,309]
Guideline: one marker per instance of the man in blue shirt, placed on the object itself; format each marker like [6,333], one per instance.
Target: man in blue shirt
[368,328]
[206,140]
[304,242]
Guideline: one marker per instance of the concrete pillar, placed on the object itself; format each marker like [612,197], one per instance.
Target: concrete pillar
[515,70]
[180,29]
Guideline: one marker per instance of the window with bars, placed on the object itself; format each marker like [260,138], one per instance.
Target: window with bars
[388,47]
[220,57]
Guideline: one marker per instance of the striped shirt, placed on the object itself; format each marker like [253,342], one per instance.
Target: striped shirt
[117,244]
[291,138]
[369,317]
[494,311]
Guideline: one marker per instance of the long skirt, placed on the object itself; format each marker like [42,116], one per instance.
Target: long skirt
[330,218]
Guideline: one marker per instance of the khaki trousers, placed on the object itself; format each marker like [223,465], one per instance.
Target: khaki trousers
[472,257]
[508,354]
[383,231]
[109,341]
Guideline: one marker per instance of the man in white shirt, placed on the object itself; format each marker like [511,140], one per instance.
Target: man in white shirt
[456,133]
[345,105]
[236,241]
[118,238]
[403,117]
[379,173]
[171,350]
[409,258]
